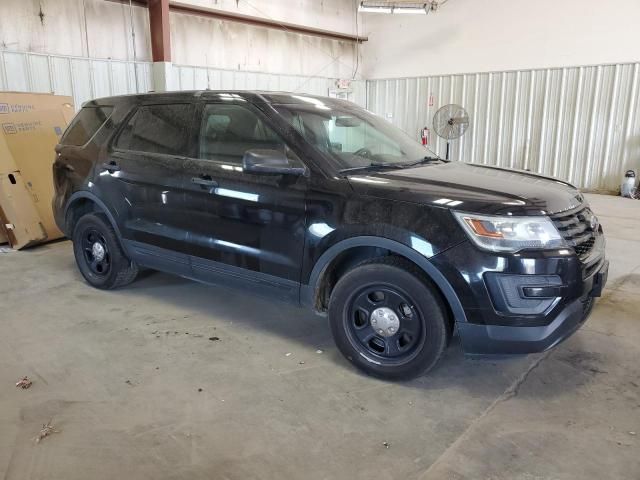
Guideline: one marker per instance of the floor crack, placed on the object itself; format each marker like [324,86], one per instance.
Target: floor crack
[509,393]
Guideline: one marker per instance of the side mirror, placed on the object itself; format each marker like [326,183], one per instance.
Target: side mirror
[272,162]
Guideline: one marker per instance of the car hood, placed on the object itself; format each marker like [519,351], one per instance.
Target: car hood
[471,188]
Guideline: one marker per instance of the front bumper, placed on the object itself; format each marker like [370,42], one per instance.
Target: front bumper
[488,329]
[501,339]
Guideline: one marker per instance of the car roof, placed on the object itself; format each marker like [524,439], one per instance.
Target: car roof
[276,98]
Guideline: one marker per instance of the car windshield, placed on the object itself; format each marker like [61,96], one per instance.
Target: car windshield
[353,138]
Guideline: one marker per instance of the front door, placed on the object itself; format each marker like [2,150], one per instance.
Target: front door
[143,179]
[243,227]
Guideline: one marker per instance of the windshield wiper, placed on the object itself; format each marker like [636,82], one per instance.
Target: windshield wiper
[424,161]
[374,166]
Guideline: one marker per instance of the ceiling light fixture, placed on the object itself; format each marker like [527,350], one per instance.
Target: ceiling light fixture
[365,9]
[419,11]
[405,7]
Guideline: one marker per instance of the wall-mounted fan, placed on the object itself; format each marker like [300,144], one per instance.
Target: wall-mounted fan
[450,122]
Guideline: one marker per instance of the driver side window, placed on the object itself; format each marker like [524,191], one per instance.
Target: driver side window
[229,130]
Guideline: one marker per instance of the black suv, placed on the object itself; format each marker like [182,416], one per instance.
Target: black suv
[319,202]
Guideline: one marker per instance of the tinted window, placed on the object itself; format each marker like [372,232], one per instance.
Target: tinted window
[228,131]
[351,136]
[85,125]
[157,129]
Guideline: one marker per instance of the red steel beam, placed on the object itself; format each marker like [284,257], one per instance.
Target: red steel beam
[180,7]
[160,30]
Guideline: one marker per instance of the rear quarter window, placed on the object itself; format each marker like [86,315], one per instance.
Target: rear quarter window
[160,129]
[85,125]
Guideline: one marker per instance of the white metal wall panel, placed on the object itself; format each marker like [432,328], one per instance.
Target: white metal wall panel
[579,124]
[39,73]
[82,82]
[15,66]
[86,78]
[81,78]
[100,78]
[187,77]
[61,74]
[119,78]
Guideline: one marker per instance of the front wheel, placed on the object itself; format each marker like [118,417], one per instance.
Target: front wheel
[388,320]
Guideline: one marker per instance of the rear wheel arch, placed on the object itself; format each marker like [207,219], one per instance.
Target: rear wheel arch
[346,254]
[82,203]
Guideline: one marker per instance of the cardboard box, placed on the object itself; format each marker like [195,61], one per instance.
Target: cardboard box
[19,216]
[30,127]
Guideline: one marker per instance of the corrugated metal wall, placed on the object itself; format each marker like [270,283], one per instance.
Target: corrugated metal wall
[86,78]
[579,124]
[78,77]
[196,78]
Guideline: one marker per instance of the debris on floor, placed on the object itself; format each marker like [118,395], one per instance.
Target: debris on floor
[288,354]
[214,339]
[318,351]
[301,363]
[386,444]
[24,383]
[47,429]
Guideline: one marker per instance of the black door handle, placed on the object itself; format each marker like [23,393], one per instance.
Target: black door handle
[204,181]
[111,167]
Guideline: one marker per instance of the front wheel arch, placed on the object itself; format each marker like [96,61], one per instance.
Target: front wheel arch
[316,293]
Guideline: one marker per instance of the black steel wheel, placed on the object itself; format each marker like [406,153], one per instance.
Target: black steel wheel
[384,322]
[99,255]
[96,252]
[388,320]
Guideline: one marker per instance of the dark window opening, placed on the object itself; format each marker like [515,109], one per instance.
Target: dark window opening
[85,125]
[160,129]
[228,131]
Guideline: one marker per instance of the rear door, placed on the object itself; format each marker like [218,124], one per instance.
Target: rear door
[246,227]
[143,178]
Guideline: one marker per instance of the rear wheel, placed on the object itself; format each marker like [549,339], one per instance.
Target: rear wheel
[388,320]
[99,255]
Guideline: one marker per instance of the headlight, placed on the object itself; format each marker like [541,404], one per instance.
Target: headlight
[510,234]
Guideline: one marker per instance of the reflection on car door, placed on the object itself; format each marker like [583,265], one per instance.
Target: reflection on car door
[249,227]
[143,179]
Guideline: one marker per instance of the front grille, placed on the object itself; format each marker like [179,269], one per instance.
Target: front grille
[584,248]
[575,228]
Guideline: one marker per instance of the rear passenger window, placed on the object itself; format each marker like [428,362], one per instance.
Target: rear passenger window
[157,129]
[228,131]
[85,125]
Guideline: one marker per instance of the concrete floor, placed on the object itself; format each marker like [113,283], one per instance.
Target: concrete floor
[138,390]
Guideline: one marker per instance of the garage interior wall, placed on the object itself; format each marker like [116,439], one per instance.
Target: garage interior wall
[579,124]
[99,54]
[515,66]
[528,108]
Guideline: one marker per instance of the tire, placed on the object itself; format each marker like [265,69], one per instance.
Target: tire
[105,266]
[388,294]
